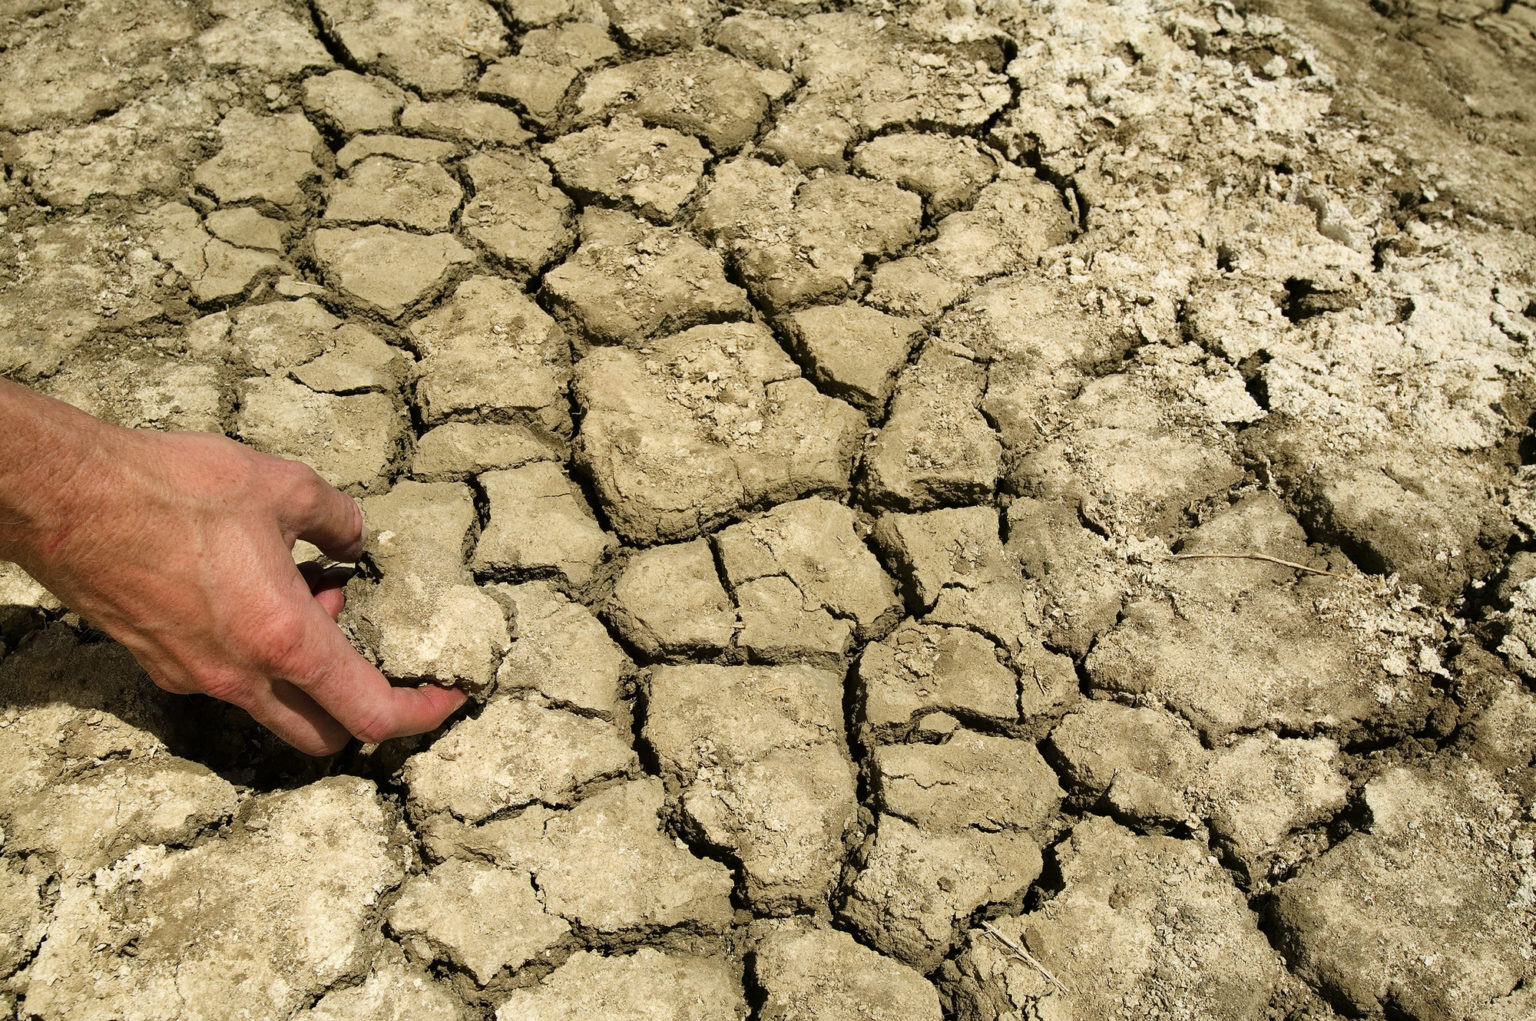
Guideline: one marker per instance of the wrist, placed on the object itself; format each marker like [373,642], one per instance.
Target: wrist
[53,461]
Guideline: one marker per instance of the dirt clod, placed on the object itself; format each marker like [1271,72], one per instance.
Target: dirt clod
[943,509]
[288,895]
[636,986]
[727,736]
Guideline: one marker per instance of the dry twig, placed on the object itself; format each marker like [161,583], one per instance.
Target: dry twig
[470,47]
[1256,556]
[1024,956]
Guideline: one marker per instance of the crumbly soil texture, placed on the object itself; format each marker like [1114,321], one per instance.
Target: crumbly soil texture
[946,509]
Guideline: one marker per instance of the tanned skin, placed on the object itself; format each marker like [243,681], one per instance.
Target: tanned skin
[179,545]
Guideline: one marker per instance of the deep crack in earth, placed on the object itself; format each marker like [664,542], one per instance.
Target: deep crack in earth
[948,509]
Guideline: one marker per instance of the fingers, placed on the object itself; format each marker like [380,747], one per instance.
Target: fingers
[352,691]
[327,585]
[297,719]
[322,514]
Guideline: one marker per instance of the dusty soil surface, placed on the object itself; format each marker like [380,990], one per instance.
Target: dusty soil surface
[946,509]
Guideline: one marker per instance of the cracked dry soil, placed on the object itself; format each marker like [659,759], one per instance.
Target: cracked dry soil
[791,420]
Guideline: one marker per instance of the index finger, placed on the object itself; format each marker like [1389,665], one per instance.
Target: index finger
[318,512]
[354,692]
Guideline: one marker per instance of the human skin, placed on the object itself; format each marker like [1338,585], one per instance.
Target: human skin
[179,545]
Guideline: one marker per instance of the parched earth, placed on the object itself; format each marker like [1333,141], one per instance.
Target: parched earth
[946,509]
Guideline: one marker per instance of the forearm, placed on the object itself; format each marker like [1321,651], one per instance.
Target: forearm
[51,455]
[179,545]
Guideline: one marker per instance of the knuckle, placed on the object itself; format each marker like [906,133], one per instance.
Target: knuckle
[320,746]
[165,683]
[374,729]
[303,483]
[287,478]
[226,686]
[279,645]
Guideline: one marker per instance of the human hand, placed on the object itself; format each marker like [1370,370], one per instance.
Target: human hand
[179,545]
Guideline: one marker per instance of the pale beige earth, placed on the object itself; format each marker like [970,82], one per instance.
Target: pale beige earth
[789,421]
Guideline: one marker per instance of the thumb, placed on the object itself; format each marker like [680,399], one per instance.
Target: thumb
[320,513]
